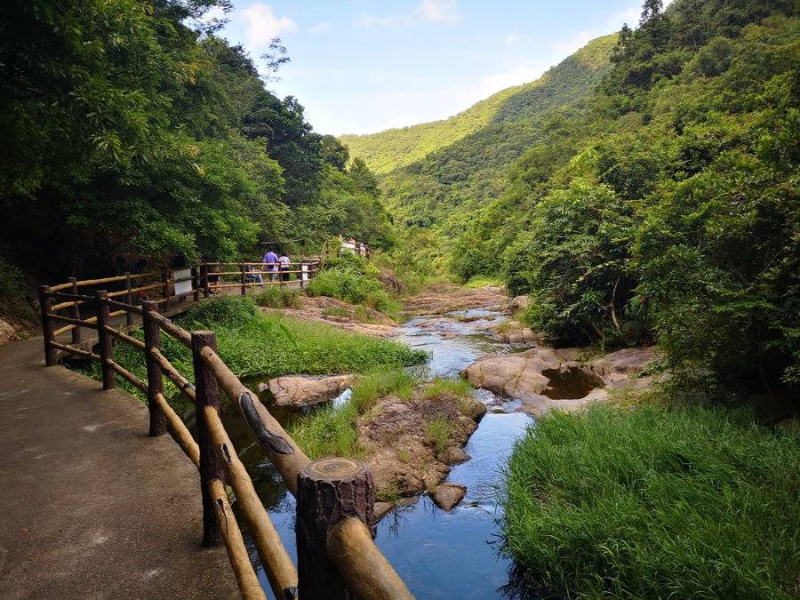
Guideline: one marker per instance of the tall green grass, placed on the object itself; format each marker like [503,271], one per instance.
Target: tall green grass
[260,345]
[332,431]
[655,502]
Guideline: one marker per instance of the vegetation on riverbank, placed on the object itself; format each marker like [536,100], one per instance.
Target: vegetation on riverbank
[652,197]
[331,431]
[655,501]
[355,280]
[254,344]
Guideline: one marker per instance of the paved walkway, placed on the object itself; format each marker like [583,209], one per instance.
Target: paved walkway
[90,507]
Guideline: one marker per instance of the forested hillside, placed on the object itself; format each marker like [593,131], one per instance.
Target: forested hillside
[130,135]
[661,205]
[453,176]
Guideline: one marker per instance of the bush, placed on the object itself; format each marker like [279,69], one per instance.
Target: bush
[655,502]
[353,287]
[225,311]
[278,297]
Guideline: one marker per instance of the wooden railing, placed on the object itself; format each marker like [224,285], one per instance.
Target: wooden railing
[337,557]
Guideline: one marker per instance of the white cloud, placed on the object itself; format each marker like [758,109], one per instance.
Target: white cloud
[365,21]
[321,27]
[439,11]
[262,24]
[512,39]
[435,11]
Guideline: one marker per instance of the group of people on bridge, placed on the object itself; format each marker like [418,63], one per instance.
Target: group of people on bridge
[278,268]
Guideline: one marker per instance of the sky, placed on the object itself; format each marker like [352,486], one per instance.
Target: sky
[361,66]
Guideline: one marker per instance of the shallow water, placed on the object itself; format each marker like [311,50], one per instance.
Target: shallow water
[438,554]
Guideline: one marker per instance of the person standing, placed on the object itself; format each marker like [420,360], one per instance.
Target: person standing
[286,266]
[271,260]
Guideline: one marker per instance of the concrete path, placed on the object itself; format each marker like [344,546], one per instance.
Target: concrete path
[90,507]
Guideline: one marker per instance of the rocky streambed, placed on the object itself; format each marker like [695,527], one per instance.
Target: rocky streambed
[448,552]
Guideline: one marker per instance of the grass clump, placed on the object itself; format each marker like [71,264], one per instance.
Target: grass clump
[278,297]
[224,311]
[441,386]
[438,434]
[482,281]
[332,431]
[655,502]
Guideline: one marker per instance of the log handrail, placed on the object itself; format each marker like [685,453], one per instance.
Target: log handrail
[280,448]
[350,547]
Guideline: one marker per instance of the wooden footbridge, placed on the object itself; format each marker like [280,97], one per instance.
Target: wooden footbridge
[335,520]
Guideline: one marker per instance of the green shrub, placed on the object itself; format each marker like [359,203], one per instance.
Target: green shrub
[655,502]
[225,311]
[353,287]
[278,297]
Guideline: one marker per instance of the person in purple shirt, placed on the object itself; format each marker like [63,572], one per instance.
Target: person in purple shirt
[272,264]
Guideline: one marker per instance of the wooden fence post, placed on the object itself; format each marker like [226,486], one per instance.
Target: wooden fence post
[106,350]
[155,383]
[244,281]
[206,283]
[76,313]
[207,394]
[196,283]
[129,298]
[165,290]
[328,491]
[46,303]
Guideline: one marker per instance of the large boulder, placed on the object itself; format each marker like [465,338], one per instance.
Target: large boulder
[546,378]
[302,390]
[448,495]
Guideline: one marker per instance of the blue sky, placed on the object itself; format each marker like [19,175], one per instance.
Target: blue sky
[360,66]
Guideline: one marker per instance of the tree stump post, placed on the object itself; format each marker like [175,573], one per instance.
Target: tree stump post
[155,383]
[106,350]
[328,490]
[244,280]
[207,394]
[46,304]
[129,298]
[196,283]
[165,289]
[75,312]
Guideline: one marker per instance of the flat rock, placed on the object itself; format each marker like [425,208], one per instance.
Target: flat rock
[448,495]
[301,390]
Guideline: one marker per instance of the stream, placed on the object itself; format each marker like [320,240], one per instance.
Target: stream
[438,554]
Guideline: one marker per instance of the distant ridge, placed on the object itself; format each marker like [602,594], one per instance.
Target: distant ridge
[389,150]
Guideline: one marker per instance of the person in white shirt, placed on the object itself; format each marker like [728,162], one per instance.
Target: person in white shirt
[285,267]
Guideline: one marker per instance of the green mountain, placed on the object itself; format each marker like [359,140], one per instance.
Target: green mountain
[439,171]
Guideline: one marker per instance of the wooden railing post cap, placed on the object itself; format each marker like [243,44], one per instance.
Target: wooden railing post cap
[334,469]
[101,294]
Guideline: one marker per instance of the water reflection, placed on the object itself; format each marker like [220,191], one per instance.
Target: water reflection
[438,554]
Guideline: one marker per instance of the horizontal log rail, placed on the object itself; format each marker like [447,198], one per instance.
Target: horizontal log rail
[361,570]
[76,351]
[130,340]
[127,376]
